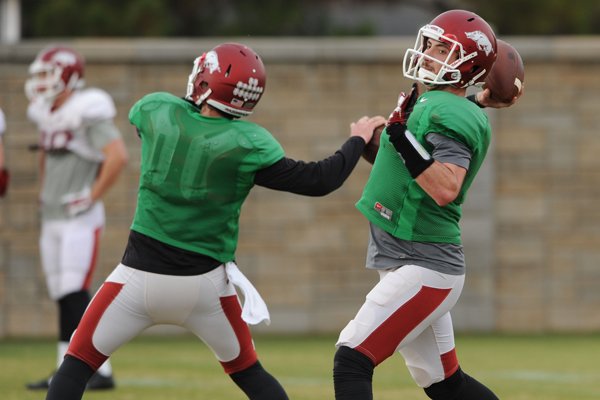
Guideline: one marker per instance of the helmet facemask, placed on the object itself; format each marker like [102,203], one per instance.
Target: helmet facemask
[449,73]
[47,84]
[192,91]
[54,71]
[471,44]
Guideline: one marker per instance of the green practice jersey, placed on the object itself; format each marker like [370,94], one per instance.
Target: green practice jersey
[196,172]
[395,202]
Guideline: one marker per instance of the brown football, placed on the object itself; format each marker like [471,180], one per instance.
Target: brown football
[370,151]
[506,77]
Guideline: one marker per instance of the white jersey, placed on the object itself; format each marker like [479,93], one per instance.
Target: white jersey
[72,138]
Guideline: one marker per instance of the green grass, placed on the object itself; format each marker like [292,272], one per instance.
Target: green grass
[557,367]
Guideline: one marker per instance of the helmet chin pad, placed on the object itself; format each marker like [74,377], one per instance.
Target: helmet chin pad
[430,78]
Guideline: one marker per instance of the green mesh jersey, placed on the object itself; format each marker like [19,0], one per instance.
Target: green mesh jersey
[395,202]
[196,172]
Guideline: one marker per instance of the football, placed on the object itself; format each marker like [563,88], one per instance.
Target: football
[506,77]
[370,151]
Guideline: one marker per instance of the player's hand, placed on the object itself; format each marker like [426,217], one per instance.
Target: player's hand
[4,179]
[415,157]
[484,99]
[365,126]
[78,202]
[405,105]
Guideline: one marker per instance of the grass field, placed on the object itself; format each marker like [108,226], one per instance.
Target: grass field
[560,367]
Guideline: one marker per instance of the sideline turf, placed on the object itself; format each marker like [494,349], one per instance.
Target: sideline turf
[551,367]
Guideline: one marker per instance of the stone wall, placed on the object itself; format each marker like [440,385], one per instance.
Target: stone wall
[531,225]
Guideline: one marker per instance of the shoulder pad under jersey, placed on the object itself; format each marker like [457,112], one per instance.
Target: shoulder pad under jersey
[93,105]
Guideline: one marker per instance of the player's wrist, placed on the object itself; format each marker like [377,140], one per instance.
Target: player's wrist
[77,203]
[473,98]
[416,158]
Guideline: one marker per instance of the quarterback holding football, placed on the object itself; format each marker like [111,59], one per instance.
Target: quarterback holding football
[429,153]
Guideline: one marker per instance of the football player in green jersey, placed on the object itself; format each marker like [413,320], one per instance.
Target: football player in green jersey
[199,161]
[429,154]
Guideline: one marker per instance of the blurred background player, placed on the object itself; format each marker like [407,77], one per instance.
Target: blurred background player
[81,155]
[429,155]
[199,161]
[4,175]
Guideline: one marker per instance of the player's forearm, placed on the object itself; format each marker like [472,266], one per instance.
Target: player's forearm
[114,162]
[316,178]
[442,182]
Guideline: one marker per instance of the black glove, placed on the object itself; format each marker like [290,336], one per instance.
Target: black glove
[414,155]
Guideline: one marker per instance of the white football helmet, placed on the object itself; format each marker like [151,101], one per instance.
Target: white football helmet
[54,70]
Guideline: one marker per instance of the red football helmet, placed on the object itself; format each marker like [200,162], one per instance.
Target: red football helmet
[468,36]
[54,70]
[231,77]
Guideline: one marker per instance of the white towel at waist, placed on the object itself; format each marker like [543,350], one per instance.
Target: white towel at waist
[254,310]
